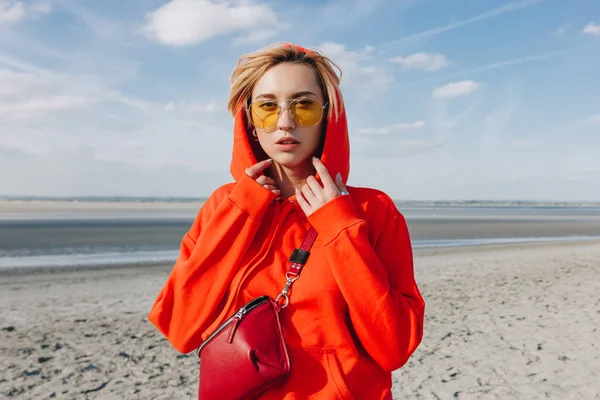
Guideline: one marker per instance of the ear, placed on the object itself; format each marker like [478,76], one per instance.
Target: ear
[247,123]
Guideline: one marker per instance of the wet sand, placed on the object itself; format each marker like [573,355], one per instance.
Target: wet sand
[502,322]
[507,227]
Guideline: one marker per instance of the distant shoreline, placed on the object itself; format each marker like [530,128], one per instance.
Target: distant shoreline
[39,200]
[68,205]
[107,199]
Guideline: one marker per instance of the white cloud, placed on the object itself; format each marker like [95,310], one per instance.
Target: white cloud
[413,148]
[496,124]
[444,119]
[536,141]
[338,52]
[427,62]
[497,65]
[369,49]
[392,149]
[187,22]
[24,94]
[591,120]
[14,83]
[456,89]
[48,104]
[11,11]
[41,7]
[584,175]
[83,171]
[501,10]
[30,81]
[592,29]
[354,71]
[561,31]
[393,129]
[210,107]
[516,61]
[14,11]
[48,112]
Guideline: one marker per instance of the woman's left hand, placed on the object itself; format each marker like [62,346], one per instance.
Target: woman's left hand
[313,196]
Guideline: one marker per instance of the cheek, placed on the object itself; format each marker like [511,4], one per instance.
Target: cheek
[313,137]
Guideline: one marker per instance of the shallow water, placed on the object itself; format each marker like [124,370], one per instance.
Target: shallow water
[94,238]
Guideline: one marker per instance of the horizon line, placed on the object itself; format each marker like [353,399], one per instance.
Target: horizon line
[192,199]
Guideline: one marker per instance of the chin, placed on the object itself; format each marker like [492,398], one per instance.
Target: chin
[290,160]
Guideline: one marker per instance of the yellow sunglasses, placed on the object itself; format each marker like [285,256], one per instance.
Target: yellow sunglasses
[264,114]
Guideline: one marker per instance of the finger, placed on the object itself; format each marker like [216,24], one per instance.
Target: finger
[302,202]
[271,188]
[261,180]
[255,170]
[340,184]
[308,194]
[265,180]
[315,186]
[323,172]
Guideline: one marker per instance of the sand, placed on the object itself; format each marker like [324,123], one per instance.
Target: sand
[504,322]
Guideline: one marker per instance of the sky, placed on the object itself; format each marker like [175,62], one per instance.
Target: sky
[446,100]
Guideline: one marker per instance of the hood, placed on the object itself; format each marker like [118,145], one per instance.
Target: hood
[336,150]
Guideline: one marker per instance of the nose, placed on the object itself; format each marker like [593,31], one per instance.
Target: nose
[286,122]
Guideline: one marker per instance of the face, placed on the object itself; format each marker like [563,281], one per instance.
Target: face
[287,141]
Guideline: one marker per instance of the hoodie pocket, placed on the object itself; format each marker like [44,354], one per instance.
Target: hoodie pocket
[335,374]
[316,374]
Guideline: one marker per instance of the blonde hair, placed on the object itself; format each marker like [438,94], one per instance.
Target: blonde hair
[251,67]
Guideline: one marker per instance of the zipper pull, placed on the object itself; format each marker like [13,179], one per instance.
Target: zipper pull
[236,320]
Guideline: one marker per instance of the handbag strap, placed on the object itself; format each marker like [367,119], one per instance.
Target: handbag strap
[298,259]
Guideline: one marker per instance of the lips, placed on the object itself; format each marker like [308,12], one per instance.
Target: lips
[287,140]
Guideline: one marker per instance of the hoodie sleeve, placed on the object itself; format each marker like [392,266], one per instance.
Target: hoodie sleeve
[376,280]
[190,300]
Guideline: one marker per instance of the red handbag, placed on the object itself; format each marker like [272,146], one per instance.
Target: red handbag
[247,354]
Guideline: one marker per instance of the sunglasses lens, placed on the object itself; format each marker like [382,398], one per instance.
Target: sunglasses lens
[306,112]
[264,114]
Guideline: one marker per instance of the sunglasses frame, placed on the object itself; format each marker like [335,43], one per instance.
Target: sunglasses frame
[288,102]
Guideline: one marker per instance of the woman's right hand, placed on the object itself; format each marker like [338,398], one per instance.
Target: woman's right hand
[255,172]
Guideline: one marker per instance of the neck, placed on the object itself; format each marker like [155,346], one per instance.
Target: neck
[288,179]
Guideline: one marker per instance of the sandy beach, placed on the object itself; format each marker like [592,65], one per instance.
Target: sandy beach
[502,322]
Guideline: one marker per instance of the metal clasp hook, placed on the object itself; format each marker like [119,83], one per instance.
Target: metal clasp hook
[285,292]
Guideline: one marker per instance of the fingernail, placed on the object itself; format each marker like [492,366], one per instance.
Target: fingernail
[338,177]
[270,160]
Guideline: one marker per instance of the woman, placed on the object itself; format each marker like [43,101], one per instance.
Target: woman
[356,313]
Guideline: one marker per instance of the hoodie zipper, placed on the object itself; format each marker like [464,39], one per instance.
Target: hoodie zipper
[239,315]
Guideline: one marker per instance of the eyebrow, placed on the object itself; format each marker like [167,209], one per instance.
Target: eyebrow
[294,96]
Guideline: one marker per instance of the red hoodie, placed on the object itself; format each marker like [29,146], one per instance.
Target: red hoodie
[355,314]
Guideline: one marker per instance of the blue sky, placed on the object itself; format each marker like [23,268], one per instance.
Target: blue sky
[463,99]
